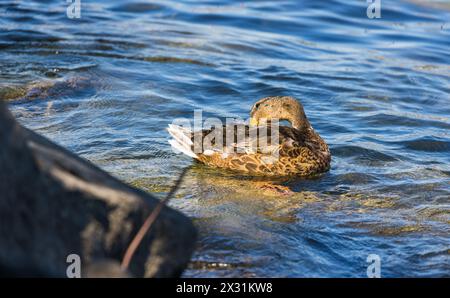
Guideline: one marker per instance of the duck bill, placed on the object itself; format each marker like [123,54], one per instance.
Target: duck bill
[253,122]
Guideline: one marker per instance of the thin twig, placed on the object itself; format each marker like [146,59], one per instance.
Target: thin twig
[149,222]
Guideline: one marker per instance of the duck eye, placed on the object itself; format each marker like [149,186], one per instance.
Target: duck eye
[257,105]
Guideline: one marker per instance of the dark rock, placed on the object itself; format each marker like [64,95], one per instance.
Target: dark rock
[106,268]
[53,204]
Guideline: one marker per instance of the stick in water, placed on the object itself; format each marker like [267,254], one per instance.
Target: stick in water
[149,222]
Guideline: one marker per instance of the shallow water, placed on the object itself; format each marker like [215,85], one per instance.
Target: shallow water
[377,90]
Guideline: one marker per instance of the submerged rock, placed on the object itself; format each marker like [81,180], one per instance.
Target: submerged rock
[45,89]
[54,204]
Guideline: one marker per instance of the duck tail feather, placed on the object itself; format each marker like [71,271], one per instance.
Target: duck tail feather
[181,141]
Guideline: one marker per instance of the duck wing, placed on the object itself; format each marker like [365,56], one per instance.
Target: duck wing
[240,138]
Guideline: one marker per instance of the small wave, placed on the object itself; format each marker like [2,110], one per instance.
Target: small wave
[137,7]
[165,59]
[428,144]
[361,153]
[28,35]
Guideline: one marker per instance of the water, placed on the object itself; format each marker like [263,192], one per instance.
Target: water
[377,90]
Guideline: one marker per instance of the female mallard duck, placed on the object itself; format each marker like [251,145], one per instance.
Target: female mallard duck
[299,151]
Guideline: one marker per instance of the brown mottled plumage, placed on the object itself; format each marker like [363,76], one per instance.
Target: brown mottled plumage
[299,151]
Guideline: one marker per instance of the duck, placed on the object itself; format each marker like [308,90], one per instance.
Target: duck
[290,150]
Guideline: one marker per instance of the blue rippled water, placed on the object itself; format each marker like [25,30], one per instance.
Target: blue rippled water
[106,86]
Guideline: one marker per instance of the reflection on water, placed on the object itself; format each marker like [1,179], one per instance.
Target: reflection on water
[107,85]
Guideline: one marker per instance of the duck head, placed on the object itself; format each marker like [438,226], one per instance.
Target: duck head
[281,108]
